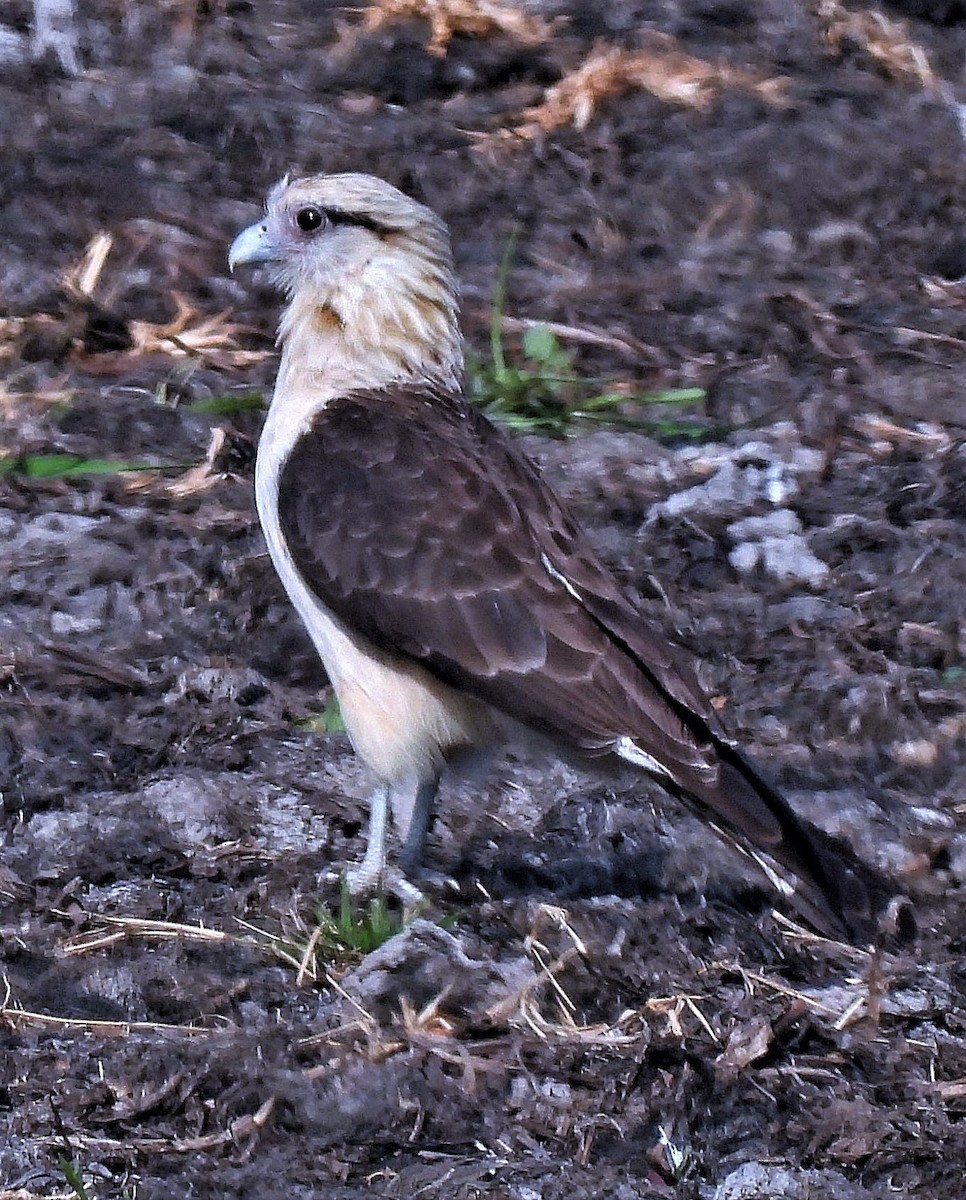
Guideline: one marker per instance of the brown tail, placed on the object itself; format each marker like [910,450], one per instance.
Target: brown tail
[833,889]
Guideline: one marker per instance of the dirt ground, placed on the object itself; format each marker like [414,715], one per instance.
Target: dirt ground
[765,200]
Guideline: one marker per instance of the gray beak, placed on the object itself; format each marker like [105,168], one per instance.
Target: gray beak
[252,246]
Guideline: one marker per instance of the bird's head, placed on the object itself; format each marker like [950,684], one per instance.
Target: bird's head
[368,272]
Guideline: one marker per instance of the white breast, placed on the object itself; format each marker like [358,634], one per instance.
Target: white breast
[400,719]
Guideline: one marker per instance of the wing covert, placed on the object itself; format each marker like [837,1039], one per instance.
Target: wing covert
[421,527]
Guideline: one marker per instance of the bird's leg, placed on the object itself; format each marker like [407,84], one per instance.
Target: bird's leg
[419,821]
[368,875]
[373,874]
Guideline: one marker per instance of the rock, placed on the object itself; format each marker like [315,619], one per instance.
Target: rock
[775,543]
[425,962]
[758,1181]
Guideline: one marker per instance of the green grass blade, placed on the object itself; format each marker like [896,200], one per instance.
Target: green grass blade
[226,406]
[66,466]
[499,303]
[75,1180]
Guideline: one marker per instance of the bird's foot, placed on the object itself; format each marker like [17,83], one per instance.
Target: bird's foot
[374,875]
[391,881]
[362,880]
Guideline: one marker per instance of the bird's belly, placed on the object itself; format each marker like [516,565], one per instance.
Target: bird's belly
[401,721]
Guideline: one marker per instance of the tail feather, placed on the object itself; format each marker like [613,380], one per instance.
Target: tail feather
[833,889]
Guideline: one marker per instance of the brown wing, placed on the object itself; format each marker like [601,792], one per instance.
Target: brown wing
[420,526]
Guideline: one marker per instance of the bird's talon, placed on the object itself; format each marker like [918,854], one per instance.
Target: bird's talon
[390,881]
[395,883]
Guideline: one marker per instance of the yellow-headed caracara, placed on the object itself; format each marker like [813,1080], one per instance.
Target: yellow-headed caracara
[445,587]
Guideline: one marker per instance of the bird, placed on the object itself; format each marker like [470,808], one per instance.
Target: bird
[452,598]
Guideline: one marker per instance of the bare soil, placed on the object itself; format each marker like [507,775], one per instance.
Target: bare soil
[613,1008]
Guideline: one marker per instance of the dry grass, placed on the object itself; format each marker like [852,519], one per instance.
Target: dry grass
[885,41]
[189,334]
[540,1009]
[23,1194]
[241,1134]
[449,18]
[661,68]
[87,285]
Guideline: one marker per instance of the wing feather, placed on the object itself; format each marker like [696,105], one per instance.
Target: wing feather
[423,528]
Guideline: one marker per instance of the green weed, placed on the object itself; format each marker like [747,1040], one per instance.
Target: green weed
[329,720]
[542,392]
[349,931]
[75,1181]
[340,936]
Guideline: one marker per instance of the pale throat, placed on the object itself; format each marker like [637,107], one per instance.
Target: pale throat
[396,324]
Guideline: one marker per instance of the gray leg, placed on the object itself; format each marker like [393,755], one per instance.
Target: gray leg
[367,876]
[422,814]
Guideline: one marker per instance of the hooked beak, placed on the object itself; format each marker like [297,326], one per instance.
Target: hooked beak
[252,246]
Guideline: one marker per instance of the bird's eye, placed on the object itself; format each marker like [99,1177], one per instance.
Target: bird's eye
[309,219]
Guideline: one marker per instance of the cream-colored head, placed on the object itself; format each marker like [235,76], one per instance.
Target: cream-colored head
[368,273]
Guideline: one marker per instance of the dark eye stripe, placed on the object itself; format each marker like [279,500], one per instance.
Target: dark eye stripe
[338,217]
